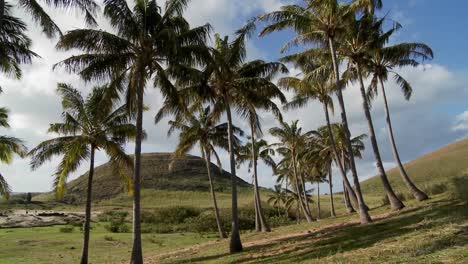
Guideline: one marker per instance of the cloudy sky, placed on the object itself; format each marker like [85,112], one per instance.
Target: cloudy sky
[436,115]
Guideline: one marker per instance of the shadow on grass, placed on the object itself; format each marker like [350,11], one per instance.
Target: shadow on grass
[349,237]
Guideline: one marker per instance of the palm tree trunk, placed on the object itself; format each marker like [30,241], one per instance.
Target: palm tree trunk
[84,254]
[137,254]
[2,11]
[347,202]
[304,194]
[330,185]
[300,201]
[318,200]
[235,243]
[417,193]
[363,211]
[395,203]
[337,156]
[206,156]
[258,205]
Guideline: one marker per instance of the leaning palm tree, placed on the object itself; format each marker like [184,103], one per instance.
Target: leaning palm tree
[147,39]
[321,23]
[292,141]
[89,125]
[228,80]
[14,45]
[8,147]
[382,63]
[363,36]
[252,152]
[205,131]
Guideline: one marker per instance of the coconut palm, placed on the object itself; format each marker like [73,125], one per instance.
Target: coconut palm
[277,198]
[88,7]
[382,63]
[147,39]
[364,35]
[252,151]
[9,146]
[294,200]
[292,140]
[321,23]
[89,125]
[205,131]
[14,45]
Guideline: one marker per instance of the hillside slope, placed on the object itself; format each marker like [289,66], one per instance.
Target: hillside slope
[187,174]
[436,167]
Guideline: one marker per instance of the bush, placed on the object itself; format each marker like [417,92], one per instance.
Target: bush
[435,189]
[66,229]
[117,223]
[170,215]
[459,188]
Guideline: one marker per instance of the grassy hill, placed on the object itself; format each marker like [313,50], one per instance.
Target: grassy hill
[188,174]
[435,168]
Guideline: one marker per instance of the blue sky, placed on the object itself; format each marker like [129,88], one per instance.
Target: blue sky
[436,115]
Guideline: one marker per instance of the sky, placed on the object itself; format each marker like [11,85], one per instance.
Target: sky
[436,115]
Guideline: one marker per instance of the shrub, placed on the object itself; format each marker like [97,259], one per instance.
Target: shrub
[459,188]
[170,215]
[117,223]
[435,189]
[66,229]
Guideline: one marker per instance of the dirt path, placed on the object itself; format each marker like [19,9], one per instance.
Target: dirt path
[265,241]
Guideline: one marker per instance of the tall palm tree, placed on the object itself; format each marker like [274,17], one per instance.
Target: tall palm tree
[252,152]
[89,125]
[382,63]
[148,39]
[14,45]
[228,80]
[8,147]
[316,86]
[292,140]
[320,23]
[364,35]
[205,131]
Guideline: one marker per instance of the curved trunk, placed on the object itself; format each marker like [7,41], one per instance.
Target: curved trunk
[318,200]
[298,191]
[260,217]
[415,191]
[235,244]
[395,203]
[330,186]
[347,202]
[221,232]
[363,210]
[137,254]
[84,253]
[337,156]
[304,193]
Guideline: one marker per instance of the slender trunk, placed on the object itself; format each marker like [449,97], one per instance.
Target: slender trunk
[330,185]
[137,254]
[258,204]
[395,203]
[337,156]
[84,254]
[235,243]
[417,193]
[347,202]
[304,193]
[2,11]
[300,201]
[206,156]
[363,210]
[318,200]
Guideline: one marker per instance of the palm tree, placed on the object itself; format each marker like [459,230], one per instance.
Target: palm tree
[293,198]
[364,35]
[320,23]
[227,80]
[89,125]
[8,147]
[148,38]
[14,45]
[292,141]
[382,63]
[88,7]
[252,151]
[319,87]
[277,198]
[205,131]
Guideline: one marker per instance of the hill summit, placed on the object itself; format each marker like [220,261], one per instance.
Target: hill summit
[188,173]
